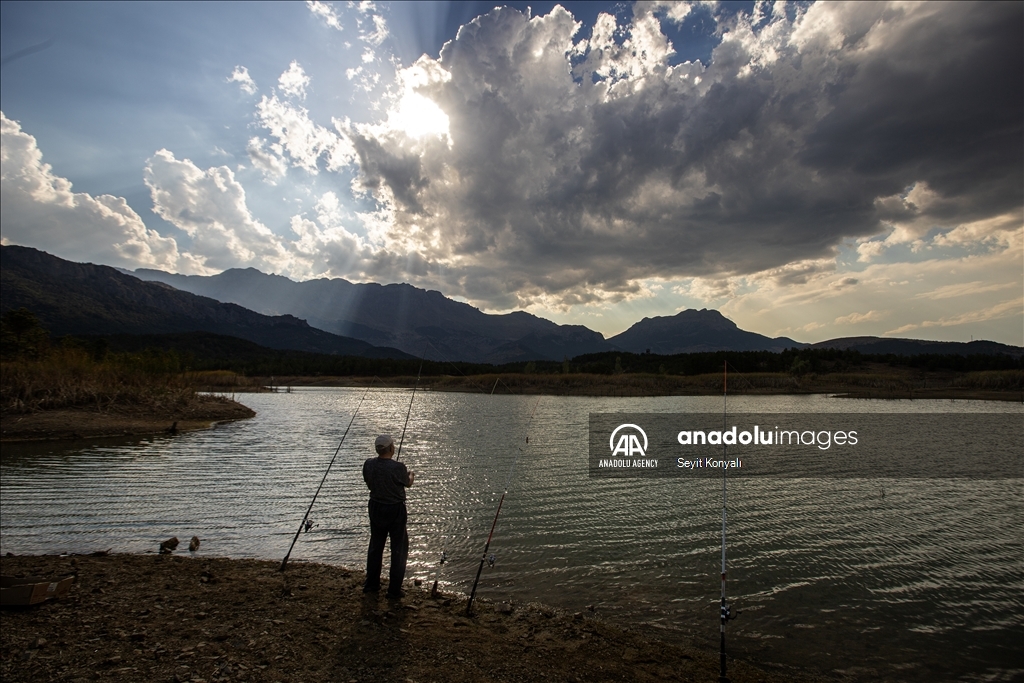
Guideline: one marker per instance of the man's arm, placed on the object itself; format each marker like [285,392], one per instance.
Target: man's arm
[412,476]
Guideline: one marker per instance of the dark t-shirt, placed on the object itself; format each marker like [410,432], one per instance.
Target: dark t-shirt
[386,479]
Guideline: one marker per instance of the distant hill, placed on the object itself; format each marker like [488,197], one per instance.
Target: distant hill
[86,299]
[418,321]
[914,347]
[693,331]
[428,324]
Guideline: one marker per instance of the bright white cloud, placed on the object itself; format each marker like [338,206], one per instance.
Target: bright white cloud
[268,158]
[294,81]
[415,115]
[304,142]
[241,76]
[211,207]
[327,13]
[39,209]
[373,28]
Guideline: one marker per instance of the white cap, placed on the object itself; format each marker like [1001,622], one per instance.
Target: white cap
[383,442]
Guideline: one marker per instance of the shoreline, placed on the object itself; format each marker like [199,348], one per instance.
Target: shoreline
[73,424]
[894,387]
[187,617]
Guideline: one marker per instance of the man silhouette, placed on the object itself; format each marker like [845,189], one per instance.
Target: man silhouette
[387,480]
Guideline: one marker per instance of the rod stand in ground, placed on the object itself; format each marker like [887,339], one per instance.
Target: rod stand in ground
[437,575]
[302,524]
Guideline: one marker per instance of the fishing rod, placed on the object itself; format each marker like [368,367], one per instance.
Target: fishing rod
[302,524]
[725,614]
[487,545]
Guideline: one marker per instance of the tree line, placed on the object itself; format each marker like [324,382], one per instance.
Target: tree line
[21,336]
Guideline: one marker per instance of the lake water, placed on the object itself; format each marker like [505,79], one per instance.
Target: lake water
[893,579]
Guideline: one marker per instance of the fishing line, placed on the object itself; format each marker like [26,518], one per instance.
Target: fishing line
[725,614]
[458,370]
[302,524]
[487,545]
[444,555]
[398,455]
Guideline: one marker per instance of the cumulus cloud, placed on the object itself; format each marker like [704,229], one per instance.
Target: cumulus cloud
[268,158]
[294,81]
[241,76]
[574,167]
[211,207]
[323,244]
[302,140]
[39,209]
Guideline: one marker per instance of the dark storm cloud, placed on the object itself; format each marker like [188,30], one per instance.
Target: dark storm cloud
[572,183]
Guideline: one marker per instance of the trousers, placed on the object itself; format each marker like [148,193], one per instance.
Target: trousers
[387,521]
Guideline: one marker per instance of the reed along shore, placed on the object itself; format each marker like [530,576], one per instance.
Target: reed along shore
[185,617]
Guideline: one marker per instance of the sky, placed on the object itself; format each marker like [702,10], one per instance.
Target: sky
[811,170]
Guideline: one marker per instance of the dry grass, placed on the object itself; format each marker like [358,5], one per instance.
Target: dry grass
[71,378]
[995,380]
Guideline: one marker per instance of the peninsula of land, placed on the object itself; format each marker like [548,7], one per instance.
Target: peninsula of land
[88,422]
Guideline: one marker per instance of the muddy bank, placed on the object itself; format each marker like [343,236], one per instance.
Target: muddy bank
[180,617]
[78,423]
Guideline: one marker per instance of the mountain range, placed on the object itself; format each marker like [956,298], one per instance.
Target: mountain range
[421,322]
[82,299]
[383,321]
[428,324]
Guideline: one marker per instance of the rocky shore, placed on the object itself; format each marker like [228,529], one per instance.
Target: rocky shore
[185,617]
